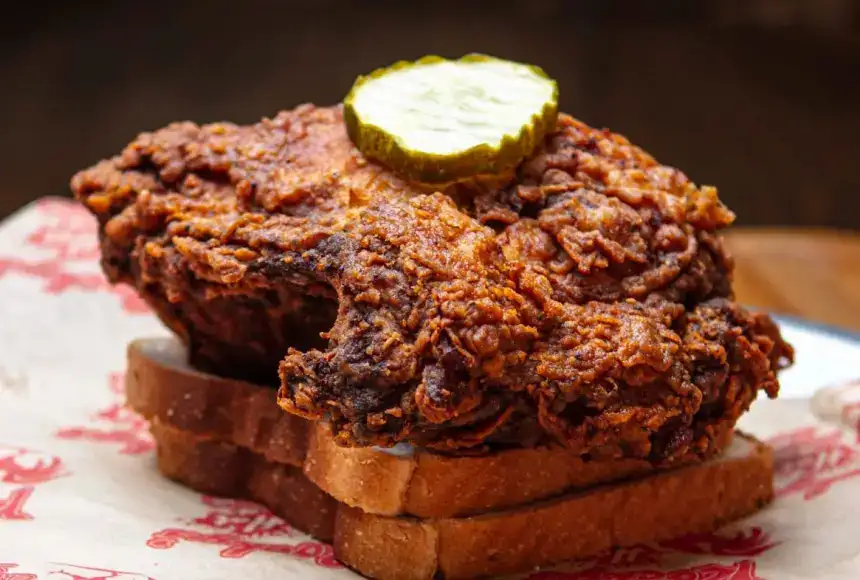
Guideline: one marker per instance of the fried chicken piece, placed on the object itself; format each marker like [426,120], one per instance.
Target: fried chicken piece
[585,299]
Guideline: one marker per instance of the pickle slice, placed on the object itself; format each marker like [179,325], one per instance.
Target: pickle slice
[437,120]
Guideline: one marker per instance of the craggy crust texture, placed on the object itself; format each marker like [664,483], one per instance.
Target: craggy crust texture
[585,298]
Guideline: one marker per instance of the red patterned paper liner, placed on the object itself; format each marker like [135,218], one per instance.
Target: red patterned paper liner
[7,573]
[241,528]
[648,562]
[810,460]
[21,471]
[114,424]
[68,234]
[743,570]
[62,571]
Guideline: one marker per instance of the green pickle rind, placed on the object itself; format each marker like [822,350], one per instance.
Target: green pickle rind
[484,159]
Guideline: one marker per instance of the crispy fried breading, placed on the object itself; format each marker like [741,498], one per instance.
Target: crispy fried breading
[586,298]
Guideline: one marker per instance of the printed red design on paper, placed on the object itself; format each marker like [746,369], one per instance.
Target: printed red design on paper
[24,466]
[20,471]
[810,460]
[12,506]
[71,572]
[69,237]
[6,573]
[69,231]
[116,424]
[652,561]
[243,518]
[241,528]
[749,542]
[743,570]
[75,572]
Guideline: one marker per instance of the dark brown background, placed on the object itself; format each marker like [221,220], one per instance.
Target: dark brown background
[760,97]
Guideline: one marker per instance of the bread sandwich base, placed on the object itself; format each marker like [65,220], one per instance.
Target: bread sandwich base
[581,524]
[421,515]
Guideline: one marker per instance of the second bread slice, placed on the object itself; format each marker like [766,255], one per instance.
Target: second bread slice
[664,505]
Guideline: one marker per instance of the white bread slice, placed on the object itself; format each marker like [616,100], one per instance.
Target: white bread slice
[428,485]
[581,524]
[227,470]
[160,384]
[661,506]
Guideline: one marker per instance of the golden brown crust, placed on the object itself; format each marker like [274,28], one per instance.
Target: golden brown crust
[227,470]
[160,384]
[691,499]
[586,300]
[374,481]
[410,547]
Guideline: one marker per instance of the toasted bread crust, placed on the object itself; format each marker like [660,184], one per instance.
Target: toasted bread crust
[690,499]
[429,485]
[223,469]
[661,506]
[161,384]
